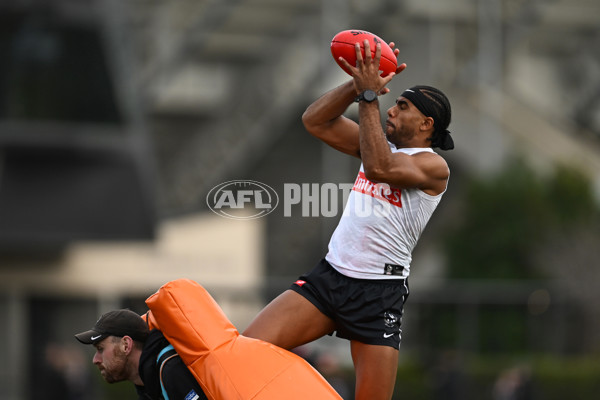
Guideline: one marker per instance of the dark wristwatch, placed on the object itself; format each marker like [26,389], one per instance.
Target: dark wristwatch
[368,96]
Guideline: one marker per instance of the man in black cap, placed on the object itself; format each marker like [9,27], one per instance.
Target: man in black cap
[126,350]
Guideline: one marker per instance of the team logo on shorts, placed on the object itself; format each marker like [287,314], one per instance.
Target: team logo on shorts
[390,320]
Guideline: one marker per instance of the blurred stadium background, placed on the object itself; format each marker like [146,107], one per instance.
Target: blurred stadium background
[118,116]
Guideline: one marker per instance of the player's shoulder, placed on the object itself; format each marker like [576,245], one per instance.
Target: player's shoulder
[433,162]
[420,152]
[428,153]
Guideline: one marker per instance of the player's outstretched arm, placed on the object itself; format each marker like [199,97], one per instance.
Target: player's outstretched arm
[324,120]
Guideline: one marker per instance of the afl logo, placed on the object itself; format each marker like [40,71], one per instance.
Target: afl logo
[242,199]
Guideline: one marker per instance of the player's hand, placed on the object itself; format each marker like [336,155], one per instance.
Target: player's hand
[399,69]
[365,73]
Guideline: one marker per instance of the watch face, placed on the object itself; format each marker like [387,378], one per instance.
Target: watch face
[369,95]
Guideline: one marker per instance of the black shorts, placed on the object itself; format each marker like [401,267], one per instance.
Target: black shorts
[366,310]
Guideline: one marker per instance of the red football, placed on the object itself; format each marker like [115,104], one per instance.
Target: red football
[342,45]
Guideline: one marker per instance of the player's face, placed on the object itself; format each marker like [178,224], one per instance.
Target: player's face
[402,123]
[111,360]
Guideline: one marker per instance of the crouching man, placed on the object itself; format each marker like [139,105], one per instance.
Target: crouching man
[126,350]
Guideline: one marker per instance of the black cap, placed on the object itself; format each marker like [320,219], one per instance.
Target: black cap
[116,323]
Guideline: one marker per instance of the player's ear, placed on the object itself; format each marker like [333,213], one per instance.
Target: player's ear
[126,344]
[427,124]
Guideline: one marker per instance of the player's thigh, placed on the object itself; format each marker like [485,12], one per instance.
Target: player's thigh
[289,321]
[376,367]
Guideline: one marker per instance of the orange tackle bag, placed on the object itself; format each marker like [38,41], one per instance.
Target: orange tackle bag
[227,365]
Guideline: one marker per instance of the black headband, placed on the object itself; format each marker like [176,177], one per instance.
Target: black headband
[429,109]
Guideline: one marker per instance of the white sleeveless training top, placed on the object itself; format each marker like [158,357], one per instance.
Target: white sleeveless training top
[380,225]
